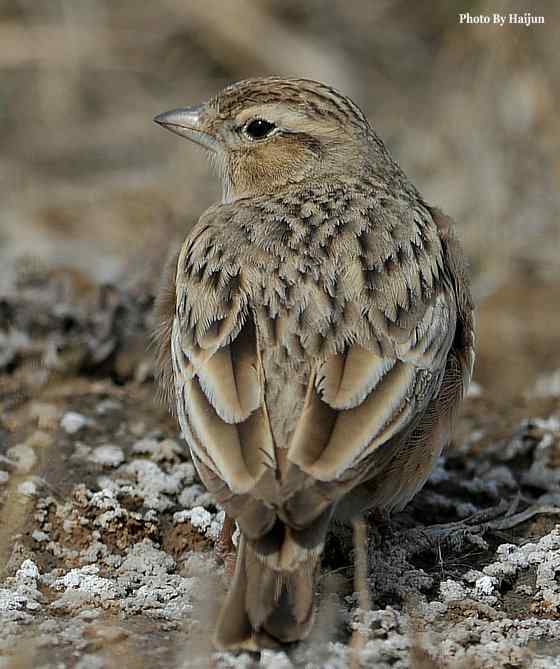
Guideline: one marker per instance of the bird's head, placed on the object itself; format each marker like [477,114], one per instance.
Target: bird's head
[267,133]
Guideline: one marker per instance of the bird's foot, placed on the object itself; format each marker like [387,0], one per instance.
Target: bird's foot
[230,562]
[361,587]
[224,549]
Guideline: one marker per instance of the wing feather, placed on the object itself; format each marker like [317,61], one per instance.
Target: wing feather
[221,439]
[229,379]
[218,374]
[357,431]
[344,381]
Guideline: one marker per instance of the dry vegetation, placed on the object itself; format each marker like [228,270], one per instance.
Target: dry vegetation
[92,196]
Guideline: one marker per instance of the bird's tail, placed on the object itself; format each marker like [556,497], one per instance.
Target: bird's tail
[267,603]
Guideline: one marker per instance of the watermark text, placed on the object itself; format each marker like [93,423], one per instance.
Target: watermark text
[526,19]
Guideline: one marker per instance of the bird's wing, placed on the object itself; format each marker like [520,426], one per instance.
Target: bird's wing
[362,397]
[219,380]
[464,341]
[388,402]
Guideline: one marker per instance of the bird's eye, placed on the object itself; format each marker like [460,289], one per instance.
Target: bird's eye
[259,128]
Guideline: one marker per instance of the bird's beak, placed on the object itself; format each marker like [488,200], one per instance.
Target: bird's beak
[187,123]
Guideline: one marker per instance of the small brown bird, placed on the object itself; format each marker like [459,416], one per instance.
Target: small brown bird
[316,337]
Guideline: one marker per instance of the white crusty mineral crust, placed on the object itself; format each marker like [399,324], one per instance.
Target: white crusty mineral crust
[200,518]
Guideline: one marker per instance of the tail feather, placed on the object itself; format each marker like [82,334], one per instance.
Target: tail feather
[266,607]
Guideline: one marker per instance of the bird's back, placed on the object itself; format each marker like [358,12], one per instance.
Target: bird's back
[322,266]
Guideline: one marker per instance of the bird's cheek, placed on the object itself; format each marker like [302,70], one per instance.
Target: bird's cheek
[283,164]
[249,166]
[260,169]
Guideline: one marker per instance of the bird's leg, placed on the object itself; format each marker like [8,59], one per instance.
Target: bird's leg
[361,587]
[224,550]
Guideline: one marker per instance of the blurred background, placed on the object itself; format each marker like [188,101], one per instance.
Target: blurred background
[93,193]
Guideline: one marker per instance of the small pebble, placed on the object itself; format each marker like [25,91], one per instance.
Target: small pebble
[28,488]
[108,456]
[485,585]
[452,591]
[89,614]
[39,536]
[28,569]
[73,422]
[108,405]
[23,456]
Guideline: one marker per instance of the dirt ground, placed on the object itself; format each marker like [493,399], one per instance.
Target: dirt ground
[106,536]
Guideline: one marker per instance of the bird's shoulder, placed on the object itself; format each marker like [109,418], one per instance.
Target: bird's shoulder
[315,228]
[333,263]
